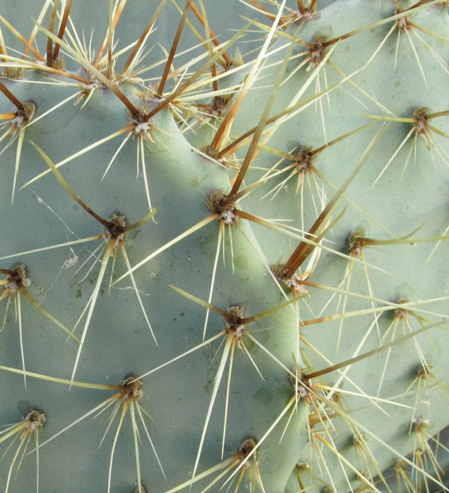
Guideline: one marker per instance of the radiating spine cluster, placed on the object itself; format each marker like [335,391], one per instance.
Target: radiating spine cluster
[281,295]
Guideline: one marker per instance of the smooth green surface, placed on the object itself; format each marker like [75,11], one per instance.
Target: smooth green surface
[410,196]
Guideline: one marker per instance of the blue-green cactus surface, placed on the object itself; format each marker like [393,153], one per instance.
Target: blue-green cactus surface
[223,246]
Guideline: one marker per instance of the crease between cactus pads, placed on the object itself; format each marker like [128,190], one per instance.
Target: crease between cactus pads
[223,246]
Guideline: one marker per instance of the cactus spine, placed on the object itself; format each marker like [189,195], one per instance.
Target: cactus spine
[222,256]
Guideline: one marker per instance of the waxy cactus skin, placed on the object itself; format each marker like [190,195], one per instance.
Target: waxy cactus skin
[223,246]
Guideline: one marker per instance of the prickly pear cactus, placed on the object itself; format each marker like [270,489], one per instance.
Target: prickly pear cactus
[223,249]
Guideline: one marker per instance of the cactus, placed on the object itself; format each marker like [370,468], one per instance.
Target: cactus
[230,240]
